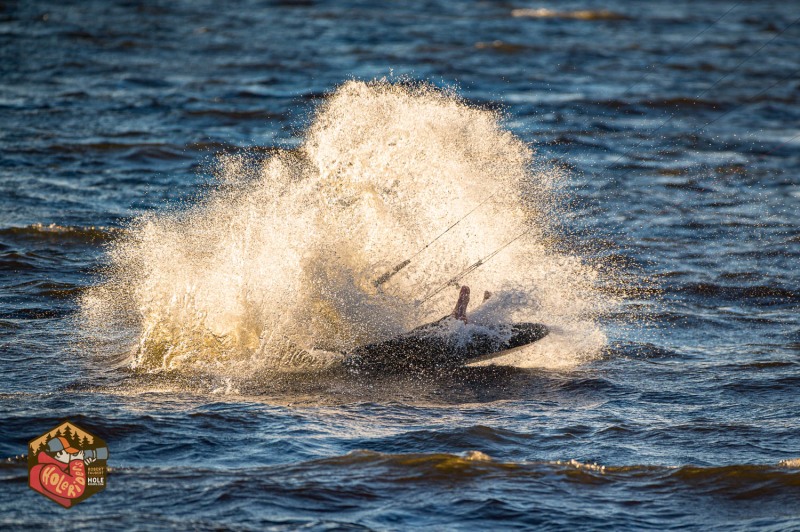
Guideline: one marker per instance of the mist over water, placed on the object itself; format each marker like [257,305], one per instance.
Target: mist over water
[283,253]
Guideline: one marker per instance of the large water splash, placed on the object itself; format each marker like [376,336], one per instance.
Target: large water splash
[281,257]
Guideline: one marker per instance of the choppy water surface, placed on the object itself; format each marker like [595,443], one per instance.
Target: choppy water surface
[188,189]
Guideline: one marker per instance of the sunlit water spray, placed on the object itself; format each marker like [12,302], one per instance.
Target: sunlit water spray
[278,262]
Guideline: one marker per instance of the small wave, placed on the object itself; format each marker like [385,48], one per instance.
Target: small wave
[765,384]
[14,261]
[102,147]
[477,437]
[689,185]
[675,171]
[581,14]
[739,480]
[644,350]
[742,276]
[432,467]
[55,232]
[738,293]
[236,115]
[51,289]
[595,384]
[35,313]
[501,46]
[703,67]
[767,364]
[692,103]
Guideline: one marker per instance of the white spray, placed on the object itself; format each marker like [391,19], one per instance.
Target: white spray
[281,257]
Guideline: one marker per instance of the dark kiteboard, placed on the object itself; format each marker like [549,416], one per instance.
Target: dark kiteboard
[437,346]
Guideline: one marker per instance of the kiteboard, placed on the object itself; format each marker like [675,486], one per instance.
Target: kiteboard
[446,343]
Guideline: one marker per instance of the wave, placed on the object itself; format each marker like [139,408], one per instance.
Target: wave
[51,289]
[502,46]
[233,115]
[131,151]
[39,246]
[739,480]
[61,233]
[738,293]
[282,255]
[684,102]
[581,14]
[471,462]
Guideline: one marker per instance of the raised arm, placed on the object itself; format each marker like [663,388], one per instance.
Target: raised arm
[460,311]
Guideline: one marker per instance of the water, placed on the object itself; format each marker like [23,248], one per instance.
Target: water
[188,190]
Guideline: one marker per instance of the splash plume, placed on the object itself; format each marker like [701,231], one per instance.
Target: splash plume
[282,256]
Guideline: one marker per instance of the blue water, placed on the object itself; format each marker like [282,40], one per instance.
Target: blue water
[679,125]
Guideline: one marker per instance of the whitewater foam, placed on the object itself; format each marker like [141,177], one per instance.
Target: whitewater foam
[278,261]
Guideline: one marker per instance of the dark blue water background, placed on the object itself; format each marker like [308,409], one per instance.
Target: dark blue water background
[685,161]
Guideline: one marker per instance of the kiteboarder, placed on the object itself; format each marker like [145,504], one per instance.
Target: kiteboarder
[445,343]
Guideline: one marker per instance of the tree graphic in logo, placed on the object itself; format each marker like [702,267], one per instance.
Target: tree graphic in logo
[67,464]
